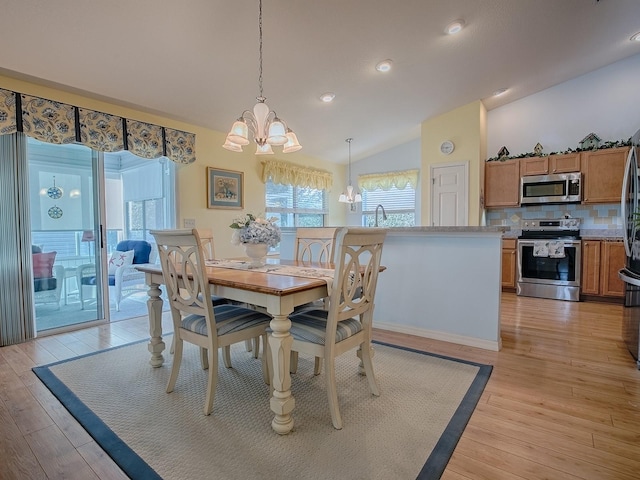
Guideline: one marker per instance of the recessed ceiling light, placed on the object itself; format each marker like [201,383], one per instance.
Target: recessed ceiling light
[636,37]
[454,27]
[384,66]
[499,92]
[327,97]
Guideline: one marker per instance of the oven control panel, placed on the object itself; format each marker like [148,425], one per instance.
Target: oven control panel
[545,224]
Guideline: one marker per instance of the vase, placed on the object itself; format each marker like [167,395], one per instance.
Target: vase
[256,252]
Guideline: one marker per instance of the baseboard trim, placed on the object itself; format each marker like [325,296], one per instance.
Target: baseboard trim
[495,346]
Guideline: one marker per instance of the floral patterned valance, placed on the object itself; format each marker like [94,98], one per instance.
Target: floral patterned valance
[55,122]
[291,174]
[385,181]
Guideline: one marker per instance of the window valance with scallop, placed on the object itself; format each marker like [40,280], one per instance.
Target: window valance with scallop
[56,122]
[287,173]
[385,181]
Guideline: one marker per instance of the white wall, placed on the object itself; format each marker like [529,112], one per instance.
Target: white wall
[605,101]
[402,157]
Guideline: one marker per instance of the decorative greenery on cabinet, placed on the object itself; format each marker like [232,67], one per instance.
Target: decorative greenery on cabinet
[601,146]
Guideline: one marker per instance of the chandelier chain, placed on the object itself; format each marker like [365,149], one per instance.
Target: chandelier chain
[260,68]
[349,140]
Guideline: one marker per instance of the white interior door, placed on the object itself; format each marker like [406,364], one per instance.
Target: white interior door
[449,192]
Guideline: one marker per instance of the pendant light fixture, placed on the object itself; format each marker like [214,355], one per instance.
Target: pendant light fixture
[352,195]
[268,130]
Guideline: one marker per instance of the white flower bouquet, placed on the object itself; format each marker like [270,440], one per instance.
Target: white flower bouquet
[253,229]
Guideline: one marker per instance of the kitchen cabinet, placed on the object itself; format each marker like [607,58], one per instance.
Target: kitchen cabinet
[509,260]
[613,259]
[566,163]
[603,171]
[502,183]
[601,260]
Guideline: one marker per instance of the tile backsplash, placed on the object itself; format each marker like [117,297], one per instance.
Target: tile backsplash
[594,217]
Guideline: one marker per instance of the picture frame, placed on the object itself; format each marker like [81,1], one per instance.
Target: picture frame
[225,188]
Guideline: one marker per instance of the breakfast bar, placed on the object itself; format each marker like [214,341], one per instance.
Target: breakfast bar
[440,282]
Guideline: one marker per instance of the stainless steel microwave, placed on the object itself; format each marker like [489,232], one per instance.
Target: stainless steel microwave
[555,188]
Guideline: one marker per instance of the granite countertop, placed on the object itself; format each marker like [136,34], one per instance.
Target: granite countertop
[424,229]
[469,229]
[602,234]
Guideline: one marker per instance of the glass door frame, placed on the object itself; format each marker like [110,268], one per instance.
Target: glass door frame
[81,216]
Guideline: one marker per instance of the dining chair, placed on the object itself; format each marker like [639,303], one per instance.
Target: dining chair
[208,252]
[347,323]
[313,244]
[195,318]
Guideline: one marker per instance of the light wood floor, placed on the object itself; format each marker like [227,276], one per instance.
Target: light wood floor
[563,401]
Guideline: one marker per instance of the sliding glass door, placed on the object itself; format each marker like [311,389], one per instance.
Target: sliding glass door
[65,232]
[85,207]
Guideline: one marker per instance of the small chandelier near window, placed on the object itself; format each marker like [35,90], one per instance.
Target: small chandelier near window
[352,195]
[268,130]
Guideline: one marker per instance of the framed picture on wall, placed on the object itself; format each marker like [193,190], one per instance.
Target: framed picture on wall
[225,188]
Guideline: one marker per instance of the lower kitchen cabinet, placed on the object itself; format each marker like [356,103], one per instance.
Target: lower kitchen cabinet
[509,264]
[601,261]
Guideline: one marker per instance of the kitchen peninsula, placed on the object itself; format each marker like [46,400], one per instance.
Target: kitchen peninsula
[441,282]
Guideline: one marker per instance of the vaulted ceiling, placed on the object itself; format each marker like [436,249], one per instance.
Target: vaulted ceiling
[197,60]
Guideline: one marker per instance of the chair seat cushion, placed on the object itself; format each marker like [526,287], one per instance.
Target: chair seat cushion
[141,249]
[44,284]
[229,319]
[310,326]
[92,280]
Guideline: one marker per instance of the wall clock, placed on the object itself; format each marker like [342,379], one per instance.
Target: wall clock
[447,147]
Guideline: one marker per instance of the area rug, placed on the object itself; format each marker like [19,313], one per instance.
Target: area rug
[409,431]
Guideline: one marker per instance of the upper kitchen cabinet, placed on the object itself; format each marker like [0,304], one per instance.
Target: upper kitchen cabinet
[602,172]
[534,166]
[565,163]
[502,183]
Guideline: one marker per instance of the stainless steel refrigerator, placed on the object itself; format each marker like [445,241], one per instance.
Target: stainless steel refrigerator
[631,273]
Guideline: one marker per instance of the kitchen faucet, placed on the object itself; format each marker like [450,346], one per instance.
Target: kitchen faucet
[384,214]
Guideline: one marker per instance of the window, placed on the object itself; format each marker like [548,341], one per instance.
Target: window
[147,190]
[395,191]
[295,206]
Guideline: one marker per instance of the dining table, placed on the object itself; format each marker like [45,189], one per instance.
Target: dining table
[278,293]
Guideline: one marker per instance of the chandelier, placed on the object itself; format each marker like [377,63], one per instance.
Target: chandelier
[352,195]
[268,130]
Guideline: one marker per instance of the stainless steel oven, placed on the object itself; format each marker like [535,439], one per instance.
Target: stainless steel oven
[549,258]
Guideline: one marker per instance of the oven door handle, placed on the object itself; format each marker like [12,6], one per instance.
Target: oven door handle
[624,276]
[531,242]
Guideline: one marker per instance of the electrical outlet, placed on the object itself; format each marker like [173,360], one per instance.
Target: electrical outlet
[189,222]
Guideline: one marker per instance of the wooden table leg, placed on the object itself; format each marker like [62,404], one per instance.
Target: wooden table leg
[156,345]
[282,402]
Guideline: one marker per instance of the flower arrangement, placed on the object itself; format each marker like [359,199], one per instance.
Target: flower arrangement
[254,229]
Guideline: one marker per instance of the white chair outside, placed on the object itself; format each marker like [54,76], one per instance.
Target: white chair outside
[43,295]
[125,279]
[347,324]
[195,319]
